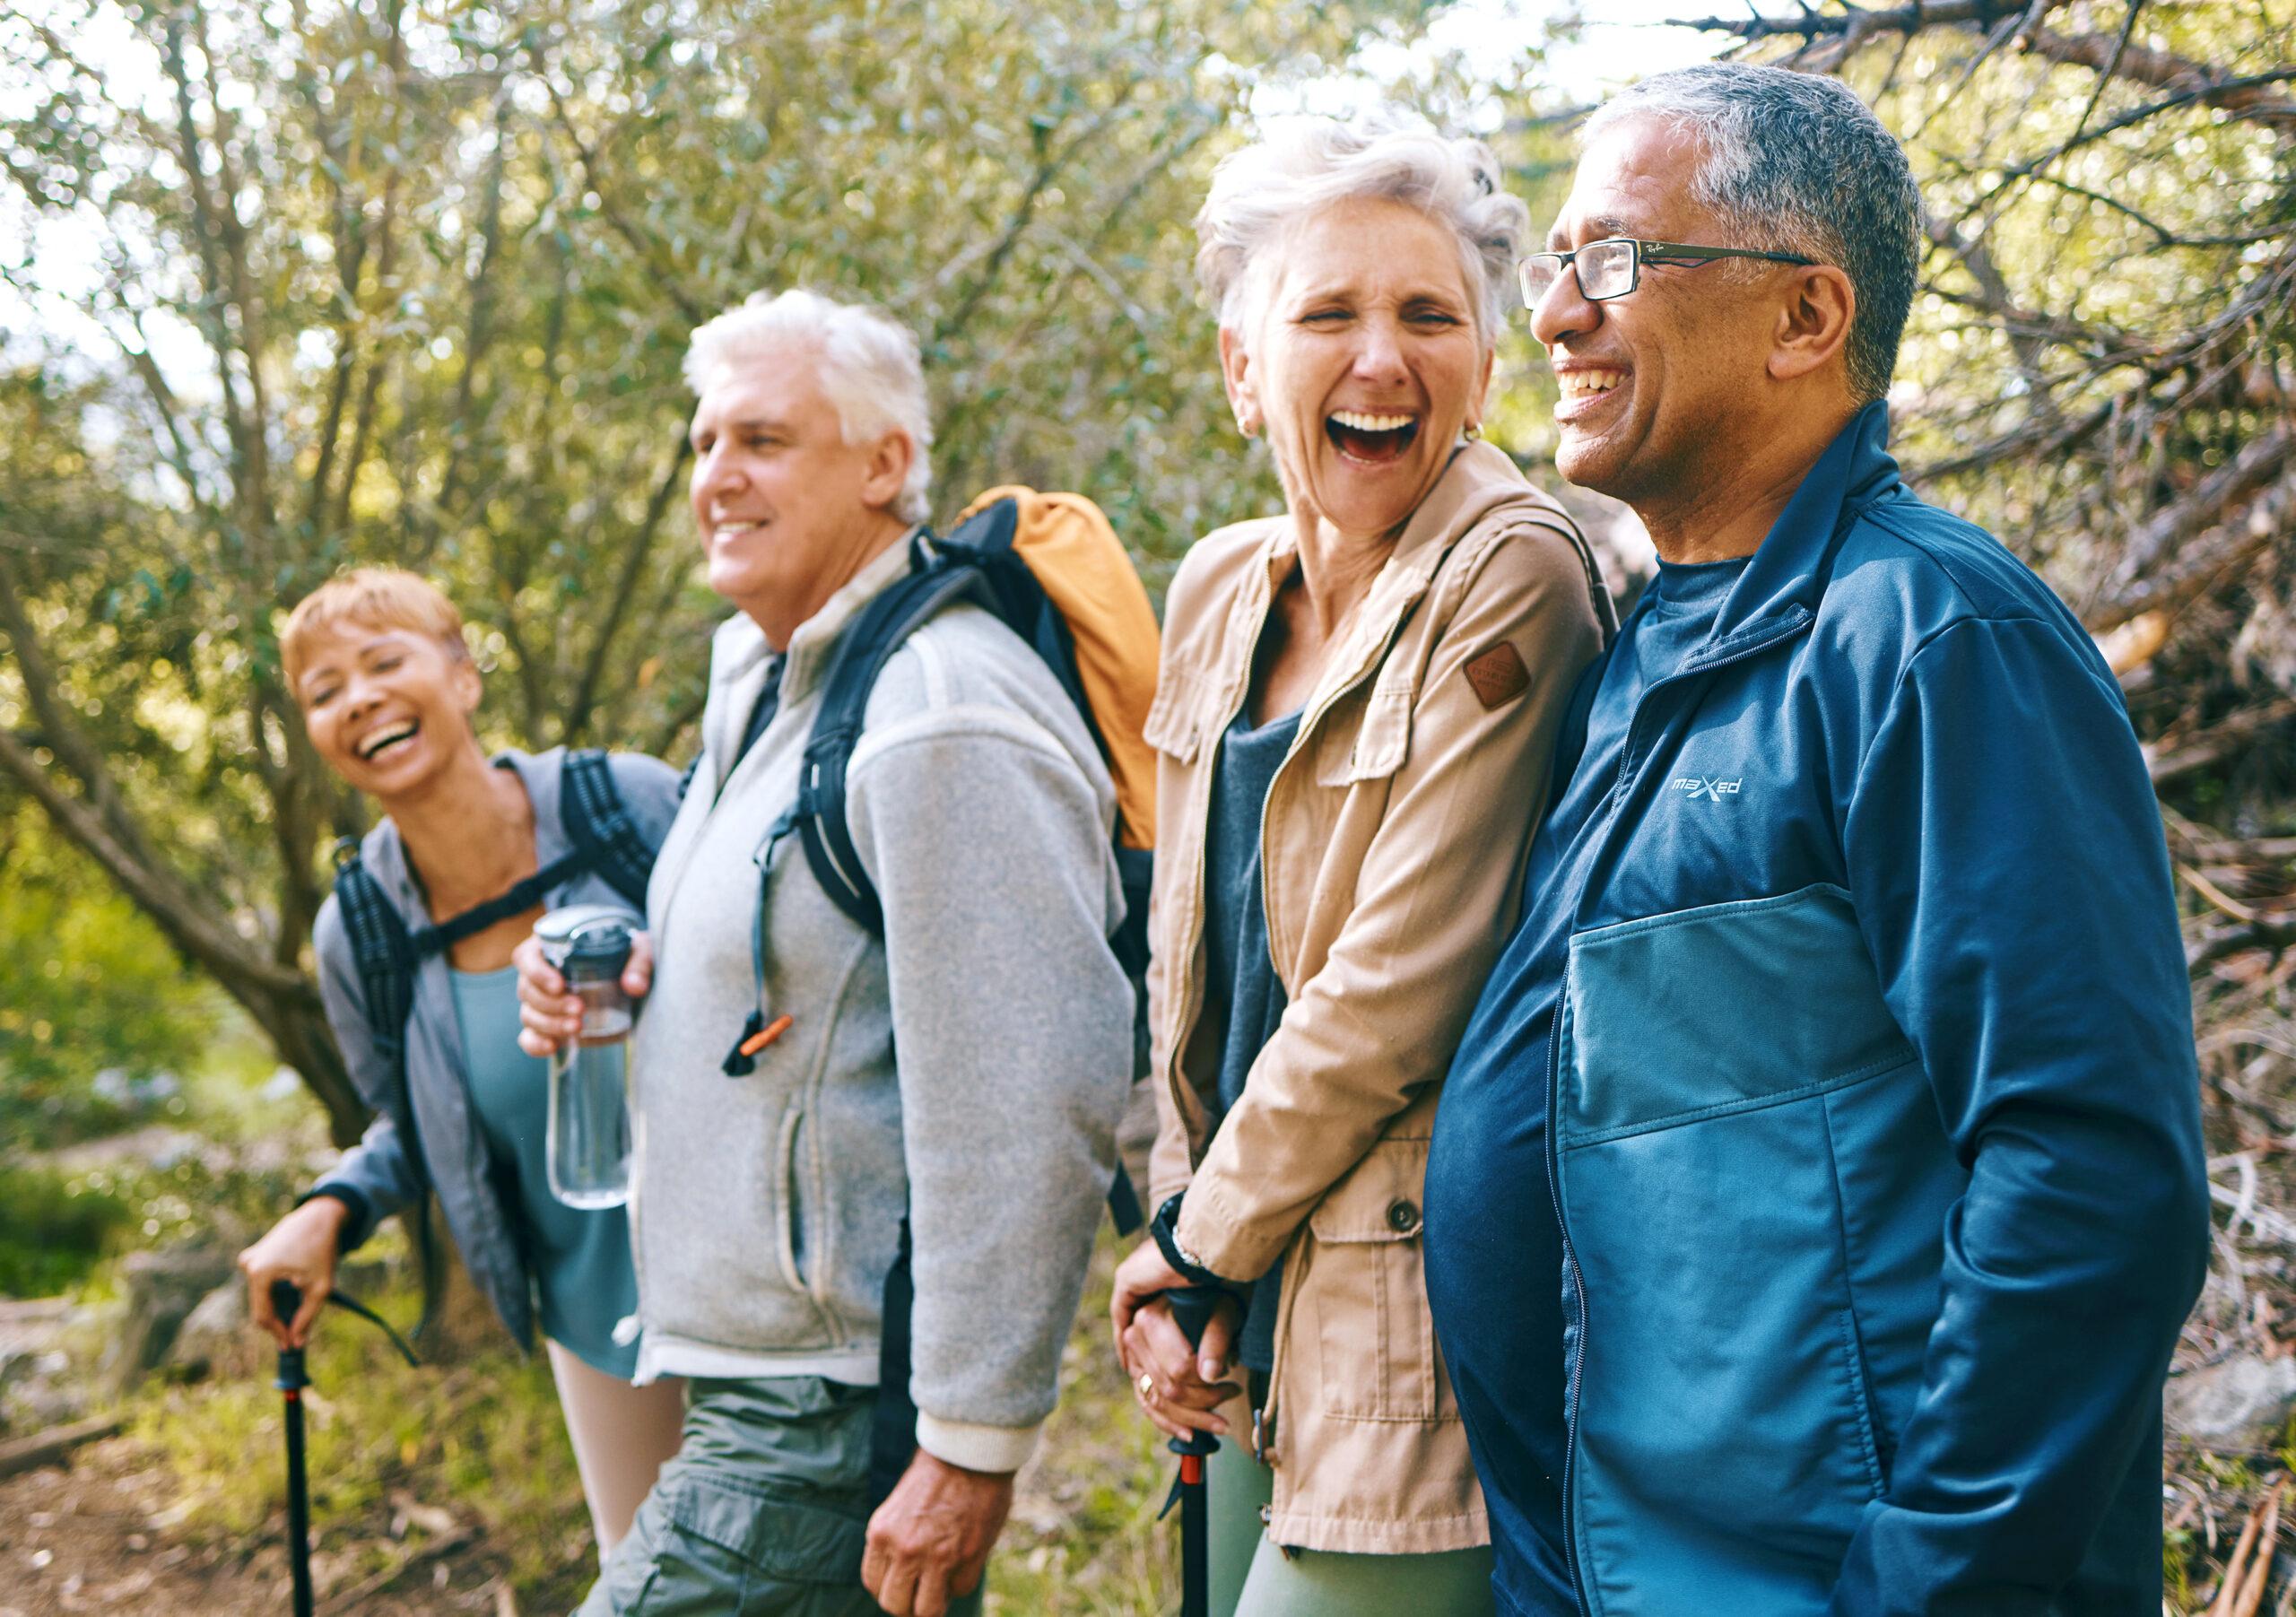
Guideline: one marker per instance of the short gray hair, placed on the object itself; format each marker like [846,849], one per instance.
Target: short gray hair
[1308,164]
[1796,161]
[871,371]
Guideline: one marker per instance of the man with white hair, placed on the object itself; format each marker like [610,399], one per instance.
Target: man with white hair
[965,1069]
[1817,1188]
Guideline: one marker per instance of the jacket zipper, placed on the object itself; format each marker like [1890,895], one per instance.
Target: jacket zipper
[1577,1288]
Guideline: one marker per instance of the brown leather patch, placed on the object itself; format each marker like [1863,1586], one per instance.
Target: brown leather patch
[1499,677]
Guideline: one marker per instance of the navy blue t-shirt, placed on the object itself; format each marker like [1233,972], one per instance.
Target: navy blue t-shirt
[1241,988]
[1495,1251]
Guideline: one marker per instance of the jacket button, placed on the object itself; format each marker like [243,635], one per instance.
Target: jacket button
[1403,1217]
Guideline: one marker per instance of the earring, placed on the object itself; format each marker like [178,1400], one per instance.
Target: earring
[1475,432]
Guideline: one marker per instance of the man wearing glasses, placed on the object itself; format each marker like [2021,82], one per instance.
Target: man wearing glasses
[1818,1189]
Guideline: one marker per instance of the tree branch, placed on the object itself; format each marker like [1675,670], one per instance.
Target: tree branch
[2217,743]
[2259,462]
[182,918]
[2212,559]
[60,730]
[577,717]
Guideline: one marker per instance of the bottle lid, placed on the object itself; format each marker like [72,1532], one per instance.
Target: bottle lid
[599,949]
[593,934]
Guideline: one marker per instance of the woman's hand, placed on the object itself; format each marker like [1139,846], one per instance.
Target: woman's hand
[301,1248]
[548,1015]
[1179,1386]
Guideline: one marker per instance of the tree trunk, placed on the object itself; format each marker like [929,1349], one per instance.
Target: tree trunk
[297,1027]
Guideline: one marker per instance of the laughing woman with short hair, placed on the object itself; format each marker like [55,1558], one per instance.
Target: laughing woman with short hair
[376,661]
[1358,703]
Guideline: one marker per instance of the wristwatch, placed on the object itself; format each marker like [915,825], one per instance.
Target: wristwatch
[1164,1228]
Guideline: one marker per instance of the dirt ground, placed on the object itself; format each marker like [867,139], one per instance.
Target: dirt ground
[94,1535]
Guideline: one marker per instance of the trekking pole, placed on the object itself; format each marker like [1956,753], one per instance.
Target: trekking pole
[1192,1310]
[286,1302]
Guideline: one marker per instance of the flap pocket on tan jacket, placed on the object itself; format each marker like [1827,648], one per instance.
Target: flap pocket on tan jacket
[1381,743]
[1364,1295]
[1175,718]
[1377,1200]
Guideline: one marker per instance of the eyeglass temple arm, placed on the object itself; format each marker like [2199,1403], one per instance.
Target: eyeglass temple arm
[1652,252]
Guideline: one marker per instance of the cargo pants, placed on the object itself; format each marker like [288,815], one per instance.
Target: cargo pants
[763,1513]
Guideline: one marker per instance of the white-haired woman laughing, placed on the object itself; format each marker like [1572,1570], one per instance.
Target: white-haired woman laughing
[1358,703]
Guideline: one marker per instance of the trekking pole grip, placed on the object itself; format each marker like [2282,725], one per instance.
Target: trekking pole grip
[1193,1308]
[286,1302]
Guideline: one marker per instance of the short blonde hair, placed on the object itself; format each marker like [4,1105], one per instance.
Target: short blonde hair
[870,371]
[381,597]
[1304,165]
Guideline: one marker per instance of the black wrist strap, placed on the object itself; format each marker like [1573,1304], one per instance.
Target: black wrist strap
[1163,1228]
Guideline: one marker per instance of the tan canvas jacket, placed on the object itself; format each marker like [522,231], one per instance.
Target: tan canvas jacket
[1393,850]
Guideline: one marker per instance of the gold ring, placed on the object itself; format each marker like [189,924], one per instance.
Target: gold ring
[1147,1384]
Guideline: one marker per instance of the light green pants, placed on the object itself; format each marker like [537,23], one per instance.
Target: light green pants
[1253,1577]
[763,1513]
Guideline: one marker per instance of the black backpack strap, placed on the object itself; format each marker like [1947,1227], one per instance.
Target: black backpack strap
[598,824]
[385,956]
[861,655]
[892,1424]
[380,944]
[523,895]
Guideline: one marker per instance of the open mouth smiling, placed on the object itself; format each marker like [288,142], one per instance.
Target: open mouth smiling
[1372,437]
[389,736]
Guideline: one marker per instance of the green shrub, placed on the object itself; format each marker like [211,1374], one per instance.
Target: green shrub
[87,987]
[53,1230]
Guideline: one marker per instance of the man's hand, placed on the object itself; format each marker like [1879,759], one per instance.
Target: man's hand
[301,1248]
[548,1015]
[931,1539]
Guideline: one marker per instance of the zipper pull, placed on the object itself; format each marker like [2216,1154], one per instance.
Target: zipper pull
[756,1033]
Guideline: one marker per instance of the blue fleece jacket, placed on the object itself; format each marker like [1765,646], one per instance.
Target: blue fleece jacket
[1830,1127]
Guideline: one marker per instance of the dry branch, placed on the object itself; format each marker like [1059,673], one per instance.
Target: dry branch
[45,1447]
[2218,743]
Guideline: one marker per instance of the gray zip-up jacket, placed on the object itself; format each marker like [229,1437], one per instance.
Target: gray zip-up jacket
[375,1178]
[766,1210]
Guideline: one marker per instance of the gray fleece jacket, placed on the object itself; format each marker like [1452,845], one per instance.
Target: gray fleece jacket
[766,1210]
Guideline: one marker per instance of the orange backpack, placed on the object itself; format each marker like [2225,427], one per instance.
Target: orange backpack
[1051,569]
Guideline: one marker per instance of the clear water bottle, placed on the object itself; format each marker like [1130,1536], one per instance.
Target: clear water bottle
[588,1141]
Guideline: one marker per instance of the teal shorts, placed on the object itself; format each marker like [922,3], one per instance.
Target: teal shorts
[763,1512]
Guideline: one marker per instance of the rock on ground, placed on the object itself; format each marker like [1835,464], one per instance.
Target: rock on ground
[2242,1402]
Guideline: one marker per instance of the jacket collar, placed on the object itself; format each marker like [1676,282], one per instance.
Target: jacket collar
[740,653]
[1480,482]
[1782,583]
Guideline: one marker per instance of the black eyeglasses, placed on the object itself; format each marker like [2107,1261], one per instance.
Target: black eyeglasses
[1612,266]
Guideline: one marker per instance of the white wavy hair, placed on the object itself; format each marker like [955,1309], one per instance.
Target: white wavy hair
[870,371]
[1306,164]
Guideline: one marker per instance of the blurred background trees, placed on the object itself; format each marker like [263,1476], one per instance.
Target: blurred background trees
[316,282]
[310,282]
[289,284]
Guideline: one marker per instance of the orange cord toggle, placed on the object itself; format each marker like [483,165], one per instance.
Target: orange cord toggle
[767,1034]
